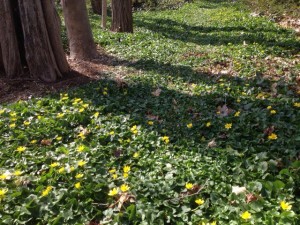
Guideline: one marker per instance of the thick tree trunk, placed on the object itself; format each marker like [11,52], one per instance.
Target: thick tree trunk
[96,6]
[122,16]
[10,57]
[30,37]
[1,62]
[104,13]
[80,36]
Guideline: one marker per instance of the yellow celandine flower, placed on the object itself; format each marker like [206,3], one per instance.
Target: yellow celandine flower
[96,114]
[58,138]
[79,175]
[237,114]
[3,192]
[72,168]
[114,176]
[81,148]
[61,170]
[124,187]
[76,100]
[13,119]
[269,107]
[189,186]
[228,126]
[81,163]
[33,141]
[297,104]
[214,223]
[13,114]
[113,192]
[113,170]
[166,139]
[150,123]
[136,155]
[285,205]
[77,185]
[81,135]
[81,109]
[126,169]
[125,175]
[208,124]
[104,92]
[26,123]
[273,111]
[272,136]
[2,111]
[134,129]
[199,201]
[85,105]
[12,125]
[246,215]
[46,191]
[190,125]
[3,176]
[60,115]
[55,164]
[111,133]
[21,149]
[18,173]
[238,100]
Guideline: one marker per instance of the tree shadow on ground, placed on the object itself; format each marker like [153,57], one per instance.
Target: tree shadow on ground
[203,35]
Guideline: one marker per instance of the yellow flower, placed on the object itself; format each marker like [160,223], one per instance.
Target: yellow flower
[79,175]
[238,100]
[269,107]
[12,125]
[111,133]
[81,135]
[189,186]
[199,201]
[272,136]
[285,205]
[273,111]
[2,193]
[33,141]
[81,163]
[228,126]
[237,114]
[46,191]
[81,148]
[96,114]
[77,185]
[26,123]
[85,105]
[297,104]
[104,92]
[61,170]
[246,215]
[2,111]
[214,223]
[190,125]
[58,138]
[3,176]
[18,173]
[113,192]
[113,170]
[81,110]
[124,187]
[150,123]
[60,115]
[126,169]
[125,175]
[114,176]
[136,155]
[55,164]
[21,149]
[208,124]
[72,168]
[134,129]
[13,114]
[166,139]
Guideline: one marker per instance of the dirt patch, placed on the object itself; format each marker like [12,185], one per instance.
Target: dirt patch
[290,22]
[82,72]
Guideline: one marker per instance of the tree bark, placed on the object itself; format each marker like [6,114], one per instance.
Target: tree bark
[30,38]
[96,6]
[10,57]
[122,16]
[79,32]
[104,14]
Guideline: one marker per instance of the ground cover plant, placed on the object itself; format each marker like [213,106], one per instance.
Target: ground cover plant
[198,124]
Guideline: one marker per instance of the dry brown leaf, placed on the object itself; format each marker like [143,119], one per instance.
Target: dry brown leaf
[212,144]
[46,142]
[156,92]
[251,198]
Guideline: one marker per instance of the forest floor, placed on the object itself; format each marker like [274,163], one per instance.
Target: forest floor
[192,119]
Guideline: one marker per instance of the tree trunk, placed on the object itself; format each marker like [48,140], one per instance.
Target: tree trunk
[122,16]
[10,57]
[104,13]
[79,32]
[96,6]
[30,38]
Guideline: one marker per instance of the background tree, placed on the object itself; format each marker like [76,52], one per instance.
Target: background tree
[122,16]
[96,6]
[79,32]
[104,13]
[30,38]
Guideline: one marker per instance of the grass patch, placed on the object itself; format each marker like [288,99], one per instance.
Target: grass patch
[204,126]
